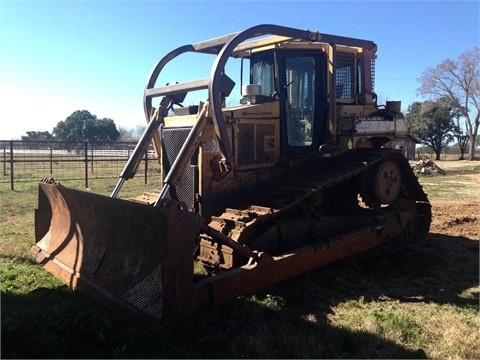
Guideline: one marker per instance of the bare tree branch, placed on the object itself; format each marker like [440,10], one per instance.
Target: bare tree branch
[459,81]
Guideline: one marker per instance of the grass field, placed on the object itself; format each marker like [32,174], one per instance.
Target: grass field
[417,300]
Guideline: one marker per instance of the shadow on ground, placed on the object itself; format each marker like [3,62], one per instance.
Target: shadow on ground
[56,323]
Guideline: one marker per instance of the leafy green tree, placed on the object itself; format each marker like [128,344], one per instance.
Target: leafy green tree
[83,126]
[73,127]
[432,123]
[102,130]
[37,136]
[459,81]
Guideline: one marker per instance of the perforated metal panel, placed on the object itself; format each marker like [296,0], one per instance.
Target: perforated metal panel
[147,296]
[345,75]
[372,71]
[172,141]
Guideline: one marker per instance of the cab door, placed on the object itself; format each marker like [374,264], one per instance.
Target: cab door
[303,101]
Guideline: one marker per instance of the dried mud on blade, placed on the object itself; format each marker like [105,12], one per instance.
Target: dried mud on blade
[133,254]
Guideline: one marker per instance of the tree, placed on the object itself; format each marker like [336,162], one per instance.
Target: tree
[462,139]
[432,123]
[102,130]
[133,134]
[459,81]
[83,126]
[73,127]
[37,136]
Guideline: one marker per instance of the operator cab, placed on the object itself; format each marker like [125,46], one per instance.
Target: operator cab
[297,80]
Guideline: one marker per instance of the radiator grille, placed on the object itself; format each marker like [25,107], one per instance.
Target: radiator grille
[172,142]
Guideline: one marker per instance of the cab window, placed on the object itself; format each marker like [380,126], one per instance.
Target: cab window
[300,99]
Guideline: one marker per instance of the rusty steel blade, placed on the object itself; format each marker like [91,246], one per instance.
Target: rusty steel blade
[137,255]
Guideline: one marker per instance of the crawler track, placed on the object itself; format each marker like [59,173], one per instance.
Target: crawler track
[282,199]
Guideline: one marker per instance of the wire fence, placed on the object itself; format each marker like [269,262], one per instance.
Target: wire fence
[30,161]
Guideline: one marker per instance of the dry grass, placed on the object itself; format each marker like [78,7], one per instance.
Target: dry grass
[416,326]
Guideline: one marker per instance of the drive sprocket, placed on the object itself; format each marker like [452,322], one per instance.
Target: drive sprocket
[382,184]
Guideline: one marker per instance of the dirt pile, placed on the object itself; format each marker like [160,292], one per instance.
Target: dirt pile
[425,166]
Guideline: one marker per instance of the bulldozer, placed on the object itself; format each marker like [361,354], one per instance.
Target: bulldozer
[295,173]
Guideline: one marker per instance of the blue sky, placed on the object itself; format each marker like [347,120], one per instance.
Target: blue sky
[57,57]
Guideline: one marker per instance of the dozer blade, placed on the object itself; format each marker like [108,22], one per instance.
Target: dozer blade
[136,255]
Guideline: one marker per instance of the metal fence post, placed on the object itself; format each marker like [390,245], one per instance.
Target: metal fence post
[51,160]
[85,151]
[4,160]
[11,165]
[91,158]
[146,166]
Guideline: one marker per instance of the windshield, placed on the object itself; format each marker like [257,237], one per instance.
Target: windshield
[263,74]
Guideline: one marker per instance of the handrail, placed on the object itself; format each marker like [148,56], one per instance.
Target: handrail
[178,88]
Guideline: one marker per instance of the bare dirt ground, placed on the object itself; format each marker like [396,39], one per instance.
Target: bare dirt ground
[460,216]
[456,218]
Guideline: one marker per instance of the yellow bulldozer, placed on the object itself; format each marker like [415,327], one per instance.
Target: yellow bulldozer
[296,174]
